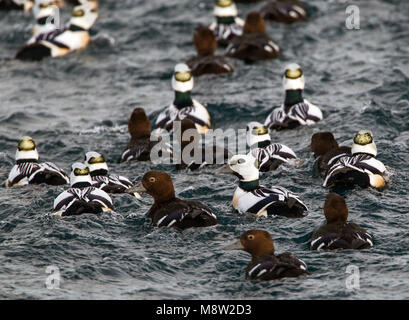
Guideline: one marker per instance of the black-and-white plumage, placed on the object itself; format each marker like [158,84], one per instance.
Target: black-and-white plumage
[35,173]
[272,156]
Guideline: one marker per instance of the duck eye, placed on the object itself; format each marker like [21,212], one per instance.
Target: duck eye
[78,13]
[183,76]
[293,73]
[250,237]
[241,160]
[152,179]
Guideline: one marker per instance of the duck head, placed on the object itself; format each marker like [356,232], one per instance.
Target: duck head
[157,184]
[293,78]
[364,143]
[26,150]
[80,176]
[335,208]
[257,135]
[205,41]
[255,242]
[96,164]
[182,80]
[322,142]
[83,17]
[254,23]
[139,125]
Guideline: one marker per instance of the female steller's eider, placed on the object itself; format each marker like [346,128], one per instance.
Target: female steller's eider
[82,197]
[269,155]
[206,62]
[98,170]
[284,11]
[184,106]
[193,155]
[251,197]
[265,265]
[359,168]
[326,149]
[254,44]
[169,211]
[62,41]
[227,24]
[25,5]
[337,233]
[140,145]
[296,111]
[27,170]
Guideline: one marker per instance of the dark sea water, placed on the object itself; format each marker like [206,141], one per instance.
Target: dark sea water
[82,102]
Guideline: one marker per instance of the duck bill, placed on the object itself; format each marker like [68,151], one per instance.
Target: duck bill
[224,170]
[136,190]
[234,246]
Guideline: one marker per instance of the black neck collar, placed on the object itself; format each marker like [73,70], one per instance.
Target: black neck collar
[226,20]
[43,21]
[73,27]
[182,99]
[262,144]
[26,160]
[249,185]
[83,184]
[100,172]
[293,97]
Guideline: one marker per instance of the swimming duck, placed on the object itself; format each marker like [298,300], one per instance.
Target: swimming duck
[251,197]
[193,155]
[285,11]
[264,264]
[295,111]
[254,44]
[359,168]
[227,24]
[82,197]
[44,12]
[140,145]
[27,170]
[337,233]
[25,5]
[169,211]
[62,41]
[326,149]
[269,155]
[206,62]
[184,106]
[98,170]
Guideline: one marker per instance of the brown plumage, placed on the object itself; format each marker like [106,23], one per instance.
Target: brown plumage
[169,211]
[206,62]
[254,44]
[265,265]
[284,11]
[325,147]
[337,233]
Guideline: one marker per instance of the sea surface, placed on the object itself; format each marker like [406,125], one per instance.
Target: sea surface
[82,102]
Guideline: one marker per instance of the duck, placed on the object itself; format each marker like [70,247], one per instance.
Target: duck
[253,198]
[60,42]
[206,62]
[98,169]
[183,105]
[358,168]
[326,149]
[265,264]
[254,44]
[269,155]
[284,11]
[27,170]
[168,210]
[295,111]
[81,197]
[337,233]
[7,5]
[45,15]
[193,155]
[227,24]
[141,143]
